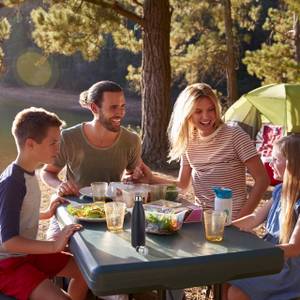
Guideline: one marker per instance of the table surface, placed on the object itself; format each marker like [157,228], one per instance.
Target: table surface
[185,259]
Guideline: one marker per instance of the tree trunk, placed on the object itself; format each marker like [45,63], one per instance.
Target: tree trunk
[156,81]
[297,38]
[232,88]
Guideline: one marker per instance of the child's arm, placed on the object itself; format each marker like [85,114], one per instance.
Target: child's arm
[54,203]
[251,221]
[292,248]
[19,244]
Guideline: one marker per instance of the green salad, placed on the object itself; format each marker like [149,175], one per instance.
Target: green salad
[161,223]
[86,211]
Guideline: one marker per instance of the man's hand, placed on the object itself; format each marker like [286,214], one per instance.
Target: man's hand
[141,174]
[62,238]
[68,188]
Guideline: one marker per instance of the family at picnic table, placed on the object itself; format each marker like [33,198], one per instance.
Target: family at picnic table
[210,152]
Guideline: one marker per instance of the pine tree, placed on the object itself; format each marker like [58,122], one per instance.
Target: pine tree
[278,59]
[199,38]
[74,26]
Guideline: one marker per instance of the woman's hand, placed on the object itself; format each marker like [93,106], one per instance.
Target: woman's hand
[141,174]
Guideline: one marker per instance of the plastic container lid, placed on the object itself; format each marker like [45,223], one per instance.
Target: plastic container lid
[223,193]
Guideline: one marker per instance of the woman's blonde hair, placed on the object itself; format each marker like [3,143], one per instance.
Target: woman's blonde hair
[289,147]
[181,129]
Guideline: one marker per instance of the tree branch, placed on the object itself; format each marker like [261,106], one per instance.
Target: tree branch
[120,10]
[137,3]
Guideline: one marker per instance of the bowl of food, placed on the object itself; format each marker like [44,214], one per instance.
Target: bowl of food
[164,221]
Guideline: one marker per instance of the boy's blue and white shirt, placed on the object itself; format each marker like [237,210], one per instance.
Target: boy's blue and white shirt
[20,199]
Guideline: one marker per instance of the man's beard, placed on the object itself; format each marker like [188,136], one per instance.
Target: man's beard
[107,124]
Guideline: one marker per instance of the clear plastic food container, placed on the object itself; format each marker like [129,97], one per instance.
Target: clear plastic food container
[129,191]
[164,221]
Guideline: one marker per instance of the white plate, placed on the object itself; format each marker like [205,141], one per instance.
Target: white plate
[89,219]
[86,219]
[86,191]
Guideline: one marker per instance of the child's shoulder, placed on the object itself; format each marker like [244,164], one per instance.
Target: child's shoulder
[13,177]
[12,171]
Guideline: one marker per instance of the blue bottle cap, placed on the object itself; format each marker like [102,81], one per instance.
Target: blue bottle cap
[223,193]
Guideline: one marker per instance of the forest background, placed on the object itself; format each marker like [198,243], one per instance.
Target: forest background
[152,48]
[51,50]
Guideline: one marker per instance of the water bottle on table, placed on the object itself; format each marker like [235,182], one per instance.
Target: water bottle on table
[138,235]
[223,202]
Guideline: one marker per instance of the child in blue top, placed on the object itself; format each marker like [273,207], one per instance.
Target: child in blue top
[26,264]
[282,225]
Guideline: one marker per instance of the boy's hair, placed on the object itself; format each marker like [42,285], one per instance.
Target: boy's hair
[289,147]
[33,123]
[95,93]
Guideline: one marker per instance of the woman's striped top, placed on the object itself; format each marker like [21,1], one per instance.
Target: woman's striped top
[218,160]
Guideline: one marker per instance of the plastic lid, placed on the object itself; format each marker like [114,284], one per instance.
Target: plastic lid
[223,193]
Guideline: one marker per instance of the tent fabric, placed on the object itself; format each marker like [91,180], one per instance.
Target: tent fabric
[277,103]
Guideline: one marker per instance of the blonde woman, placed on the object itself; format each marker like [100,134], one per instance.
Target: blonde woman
[211,153]
[282,225]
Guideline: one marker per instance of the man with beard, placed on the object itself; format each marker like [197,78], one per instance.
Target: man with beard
[99,150]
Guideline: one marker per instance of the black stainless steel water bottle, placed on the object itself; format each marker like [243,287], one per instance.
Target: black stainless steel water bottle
[138,223]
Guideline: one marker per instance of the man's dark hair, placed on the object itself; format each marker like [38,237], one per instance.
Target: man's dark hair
[33,123]
[96,91]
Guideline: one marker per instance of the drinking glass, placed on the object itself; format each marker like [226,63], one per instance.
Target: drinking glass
[114,215]
[99,190]
[214,222]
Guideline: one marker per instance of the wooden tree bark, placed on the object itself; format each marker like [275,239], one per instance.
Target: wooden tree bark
[232,87]
[156,81]
[297,38]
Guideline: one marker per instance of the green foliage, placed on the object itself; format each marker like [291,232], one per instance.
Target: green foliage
[5,29]
[125,38]
[279,22]
[197,33]
[294,5]
[64,29]
[198,41]
[74,26]
[134,77]
[12,3]
[275,62]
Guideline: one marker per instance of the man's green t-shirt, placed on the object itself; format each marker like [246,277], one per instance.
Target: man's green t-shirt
[86,163]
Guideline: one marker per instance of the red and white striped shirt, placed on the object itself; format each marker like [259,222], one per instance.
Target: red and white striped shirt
[218,160]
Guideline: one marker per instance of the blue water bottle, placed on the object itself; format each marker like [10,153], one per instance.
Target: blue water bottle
[223,202]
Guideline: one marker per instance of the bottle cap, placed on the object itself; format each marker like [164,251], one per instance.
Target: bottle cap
[223,193]
[138,198]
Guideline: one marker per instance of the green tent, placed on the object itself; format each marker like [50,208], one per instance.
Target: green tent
[278,104]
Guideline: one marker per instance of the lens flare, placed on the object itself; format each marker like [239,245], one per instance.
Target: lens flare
[34,69]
